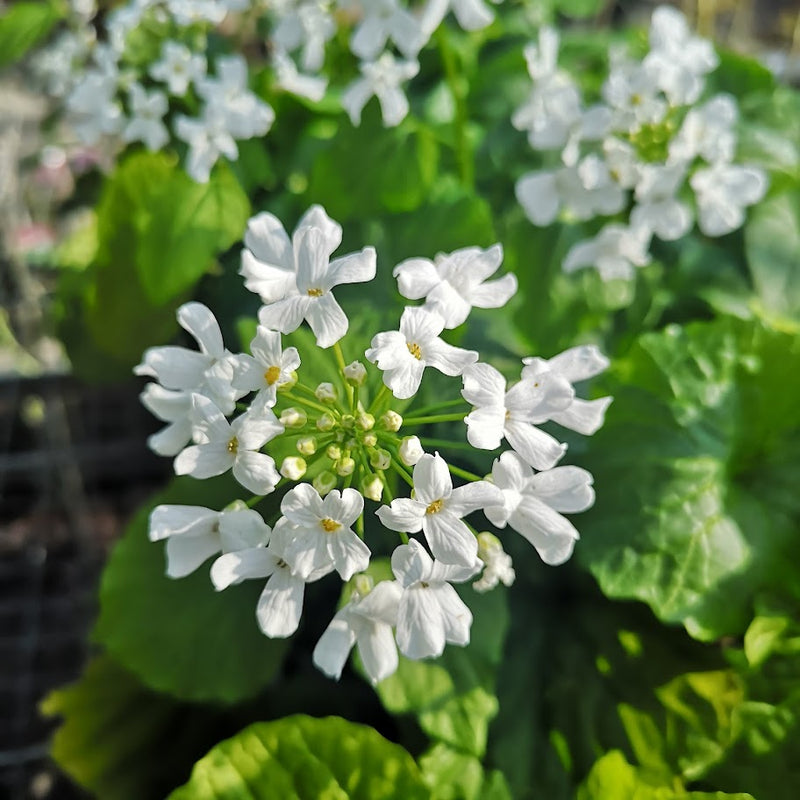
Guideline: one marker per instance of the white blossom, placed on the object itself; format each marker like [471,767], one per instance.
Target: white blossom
[657,209]
[147,118]
[380,21]
[381,78]
[437,509]
[455,283]
[404,354]
[194,533]
[235,446]
[170,406]
[615,251]
[291,80]
[514,414]
[707,131]
[366,622]
[497,564]
[430,612]
[268,368]
[632,93]
[410,450]
[471,15]
[532,502]
[178,67]
[208,139]
[93,108]
[723,191]
[306,24]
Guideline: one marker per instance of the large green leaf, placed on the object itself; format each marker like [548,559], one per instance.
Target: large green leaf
[180,636]
[696,472]
[302,758]
[25,24]
[772,238]
[456,775]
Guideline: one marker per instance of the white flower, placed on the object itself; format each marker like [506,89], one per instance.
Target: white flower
[614,252]
[497,563]
[437,510]
[657,208]
[455,283]
[280,605]
[295,278]
[404,354]
[268,368]
[207,372]
[178,67]
[531,504]
[514,414]
[470,14]
[410,450]
[430,612]
[195,533]
[622,162]
[92,106]
[382,20]
[707,131]
[586,191]
[381,78]
[223,446]
[723,191]
[147,121]
[632,93]
[291,80]
[208,138]
[173,407]
[189,12]
[322,532]
[228,97]
[366,622]
[574,365]
[304,23]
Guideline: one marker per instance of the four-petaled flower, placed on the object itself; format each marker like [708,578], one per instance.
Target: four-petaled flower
[268,368]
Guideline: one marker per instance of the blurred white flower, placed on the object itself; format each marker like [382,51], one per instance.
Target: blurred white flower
[381,78]
[178,67]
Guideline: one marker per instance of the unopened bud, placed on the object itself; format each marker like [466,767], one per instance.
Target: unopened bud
[372,488]
[307,445]
[293,417]
[326,393]
[325,422]
[293,468]
[362,584]
[355,374]
[370,440]
[348,422]
[392,421]
[380,459]
[345,466]
[236,505]
[334,452]
[410,451]
[365,421]
[324,482]
[289,383]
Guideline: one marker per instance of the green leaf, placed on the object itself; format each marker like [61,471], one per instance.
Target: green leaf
[694,471]
[579,9]
[24,25]
[180,636]
[453,696]
[121,740]
[740,75]
[613,776]
[455,775]
[772,240]
[302,758]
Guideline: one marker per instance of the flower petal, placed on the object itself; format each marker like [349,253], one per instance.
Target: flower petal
[209,423]
[378,651]
[171,440]
[432,479]
[456,615]
[411,563]
[420,627]
[327,320]
[446,358]
[271,283]
[494,294]
[334,646]
[232,568]
[566,489]
[552,535]
[285,315]
[578,363]
[169,520]
[203,460]
[405,379]
[473,497]
[483,385]
[345,508]
[281,604]
[266,238]
[450,540]
[186,553]
[354,268]
[381,603]
[416,277]
[485,427]
[349,553]
[583,416]
[302,505]
[255,471]
[174,367]
[199,320]
[404,515]
[538,448]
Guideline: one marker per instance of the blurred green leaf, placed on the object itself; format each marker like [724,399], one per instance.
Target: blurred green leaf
[739,75]
[455,775]
[693,470]
[24,25]
[180,636]
[302,758]
[579,9]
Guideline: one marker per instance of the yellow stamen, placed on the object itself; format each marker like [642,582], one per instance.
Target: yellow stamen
[315,292]
[413,348]
[434,508]
[233,446]
[272,375]
[330,525]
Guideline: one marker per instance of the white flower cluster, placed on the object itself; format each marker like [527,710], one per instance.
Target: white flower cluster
[648,138]
[342,446]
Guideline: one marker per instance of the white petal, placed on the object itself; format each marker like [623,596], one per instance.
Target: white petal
[311,249]
[473,497]
[494,294]
[353,268]
[419,324]
[232,568]
[327,320]
[345,508]
[472,14]
[256,472]
[169,520]
[538,195]
[446,358]
[404,380]
[404,514]
[510,471]
[285,315]
[302,505]
[455,613]
[281,604]
[174,367]
[450,540]
[552,535]
[317,217]
[186,554]
[432,479]
[483,385]
[349,553]
[209,422]
[538,448]
[411,563]
[416,277]
[355,97]
[394,104]
[204,460]
[268,241]
[378,651]
[381,603]
[420,627]
[166,404]
[270,282]
[198,320]
[256,427]
[333,647]
[171,440]
[241,529]
[566,489]
[485,427]
[449,303]
[578,363]
[583,416]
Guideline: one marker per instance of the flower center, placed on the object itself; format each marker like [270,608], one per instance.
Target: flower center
[314,292]
[281,564]
[424,585]
[233,446]
[330,525]
[414,349]
[434,508]
[272,375]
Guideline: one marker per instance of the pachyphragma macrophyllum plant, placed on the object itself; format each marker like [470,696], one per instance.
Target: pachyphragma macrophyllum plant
[351,439]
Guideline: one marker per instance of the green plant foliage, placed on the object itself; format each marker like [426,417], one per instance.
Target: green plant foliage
[302,758]
[456,775]
[24,25]
[694,470]
[179,636]
[613,776]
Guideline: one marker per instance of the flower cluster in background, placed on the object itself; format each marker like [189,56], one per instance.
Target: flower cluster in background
[343,448]
[653,139]
[140,73]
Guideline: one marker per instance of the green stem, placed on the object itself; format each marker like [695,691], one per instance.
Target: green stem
[254,501]
[402,473]
[434,418]
[378,398]
[458,87]
[310,404]
[360,526]
[428,442]
[462,473]
[337,351]
[439,406]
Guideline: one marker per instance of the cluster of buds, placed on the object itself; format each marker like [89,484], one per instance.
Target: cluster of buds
[335,447]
